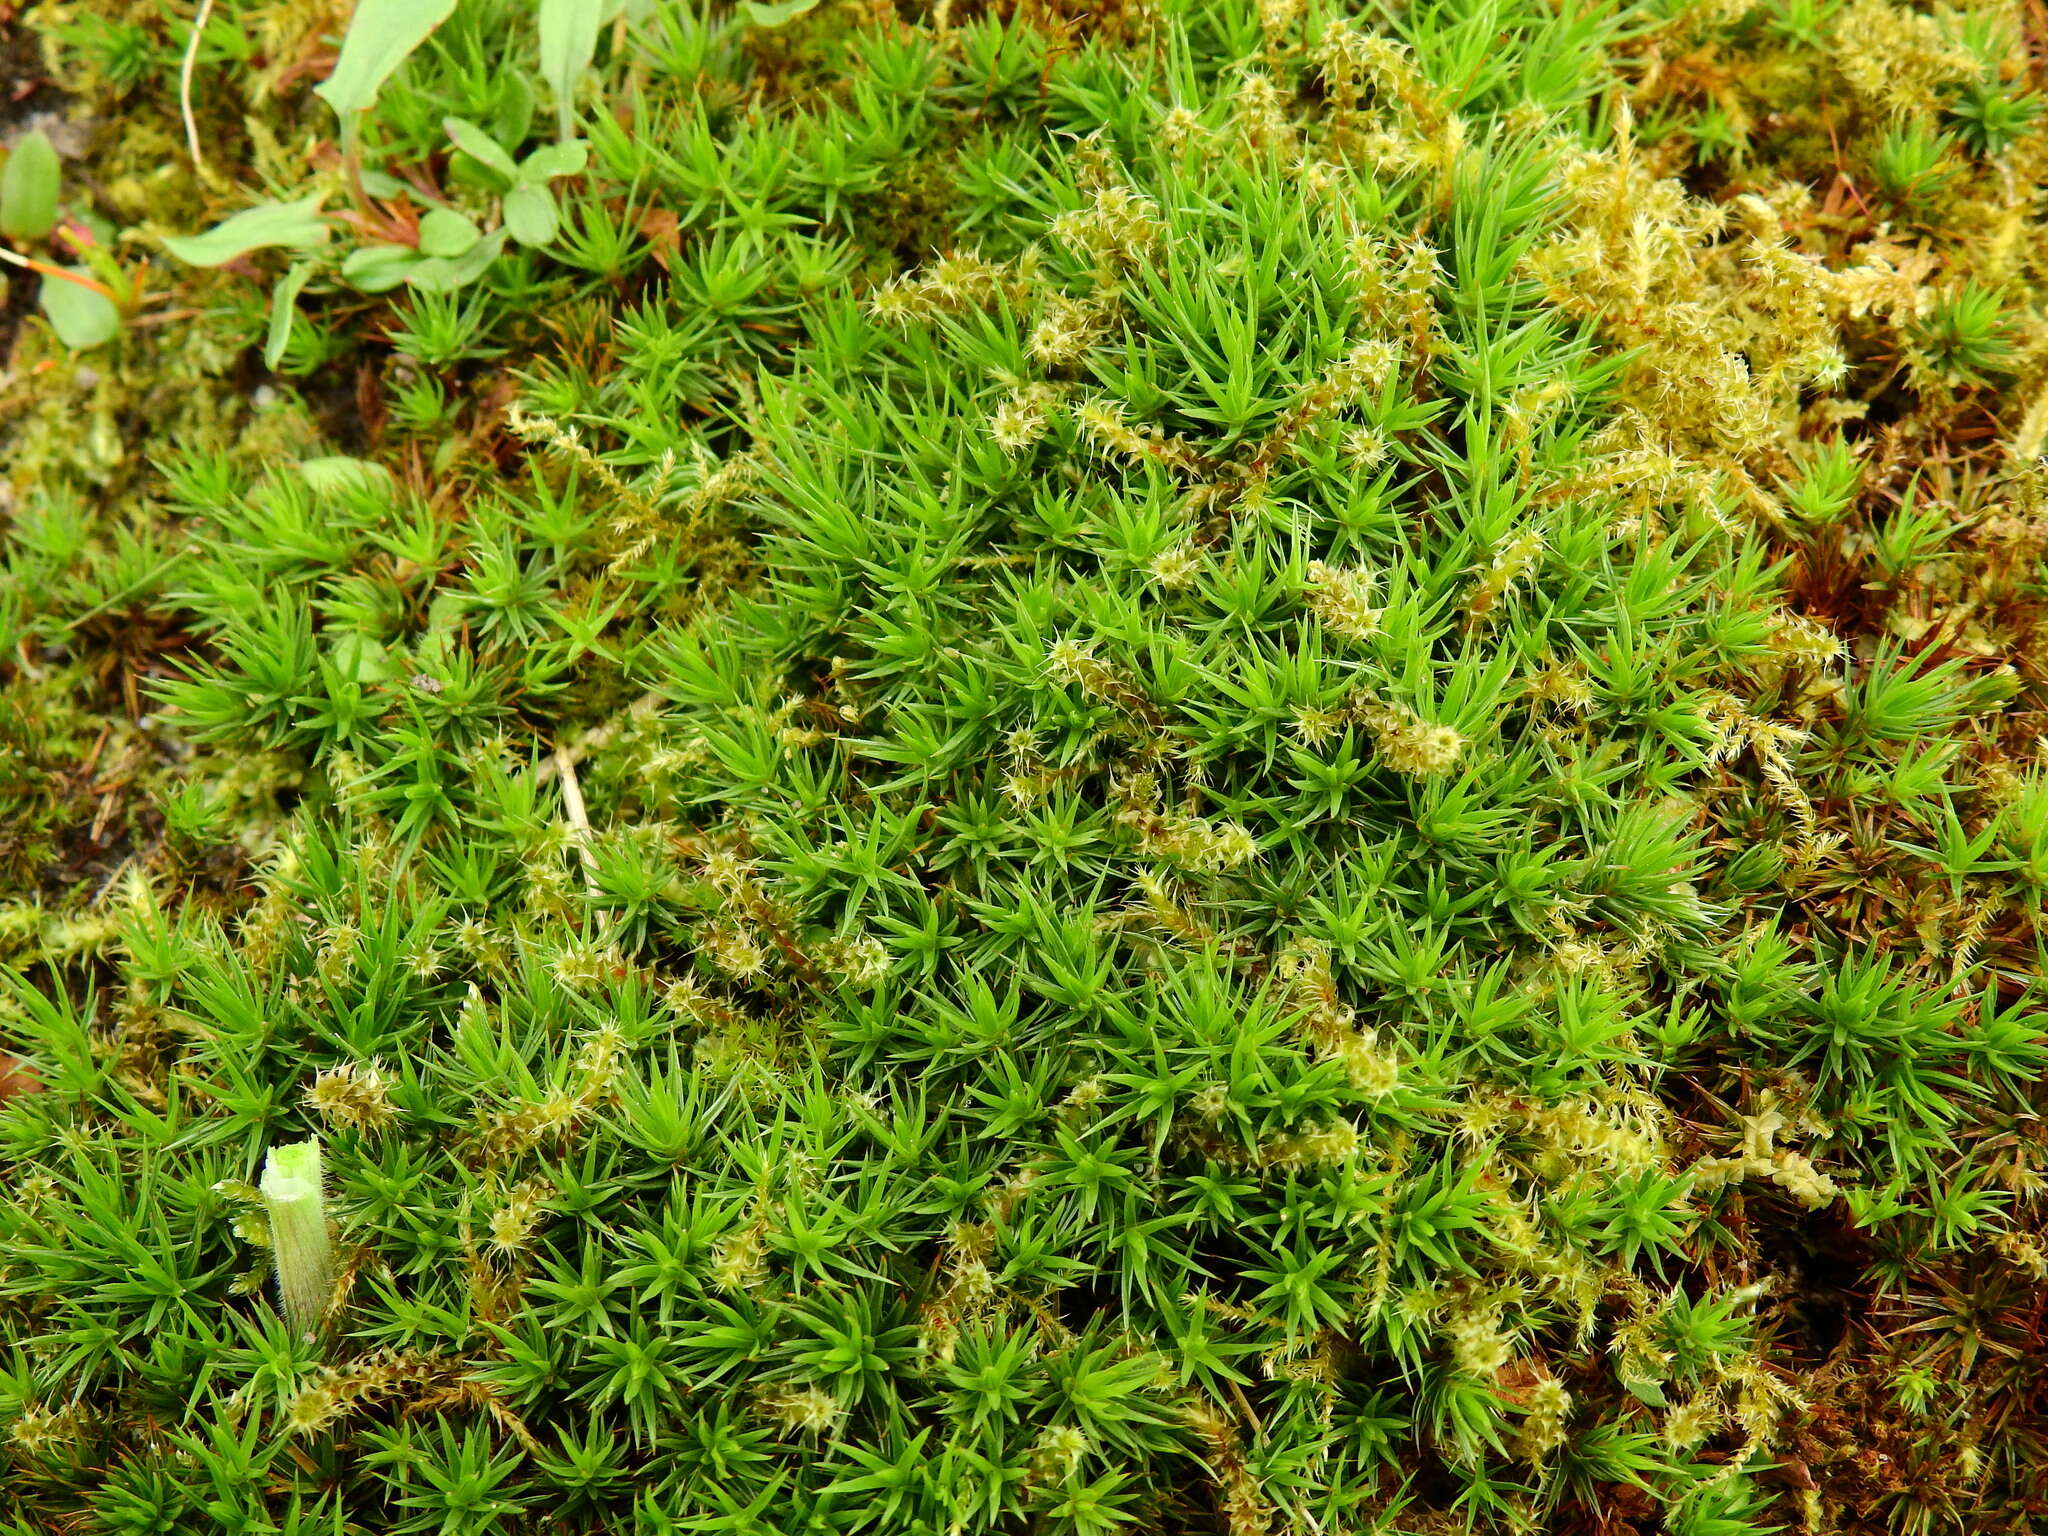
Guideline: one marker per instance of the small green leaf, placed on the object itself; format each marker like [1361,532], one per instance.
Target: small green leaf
[779,14]
[81,317]
[568,42]
[383,184]
[28,189]
[284,301]
[551,160]
[530,215]
[381,36]
[380,268]
[443,274]
[337,473]
[1646,1390]
[294,226]
[362,659]
[482,148]
[444,232]
[513,120]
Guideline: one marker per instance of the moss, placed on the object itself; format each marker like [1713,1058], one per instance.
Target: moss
[1185,767]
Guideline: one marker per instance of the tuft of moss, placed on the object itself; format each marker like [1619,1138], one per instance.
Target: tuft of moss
[1195,767]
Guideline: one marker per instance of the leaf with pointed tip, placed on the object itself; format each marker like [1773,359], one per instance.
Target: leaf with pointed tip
[482,148]
[381,36]
[293,226]
[284,300]
[568,42]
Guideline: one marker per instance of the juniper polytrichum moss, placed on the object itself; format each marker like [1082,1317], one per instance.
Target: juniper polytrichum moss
[1180,768]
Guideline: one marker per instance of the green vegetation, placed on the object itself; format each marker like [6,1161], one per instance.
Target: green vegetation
[1183,768]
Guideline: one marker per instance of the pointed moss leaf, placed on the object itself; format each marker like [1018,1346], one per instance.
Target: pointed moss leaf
[568,42]
[380,268]
[482,148]
[28,189]
[80,316]
[779,14]
[381,36]
[445,274]
[284,303]
[530,215]
[294,226]
[551,160]
[444,232]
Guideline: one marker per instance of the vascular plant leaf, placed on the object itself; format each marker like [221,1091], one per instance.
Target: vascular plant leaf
[382,35]
[295,226]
